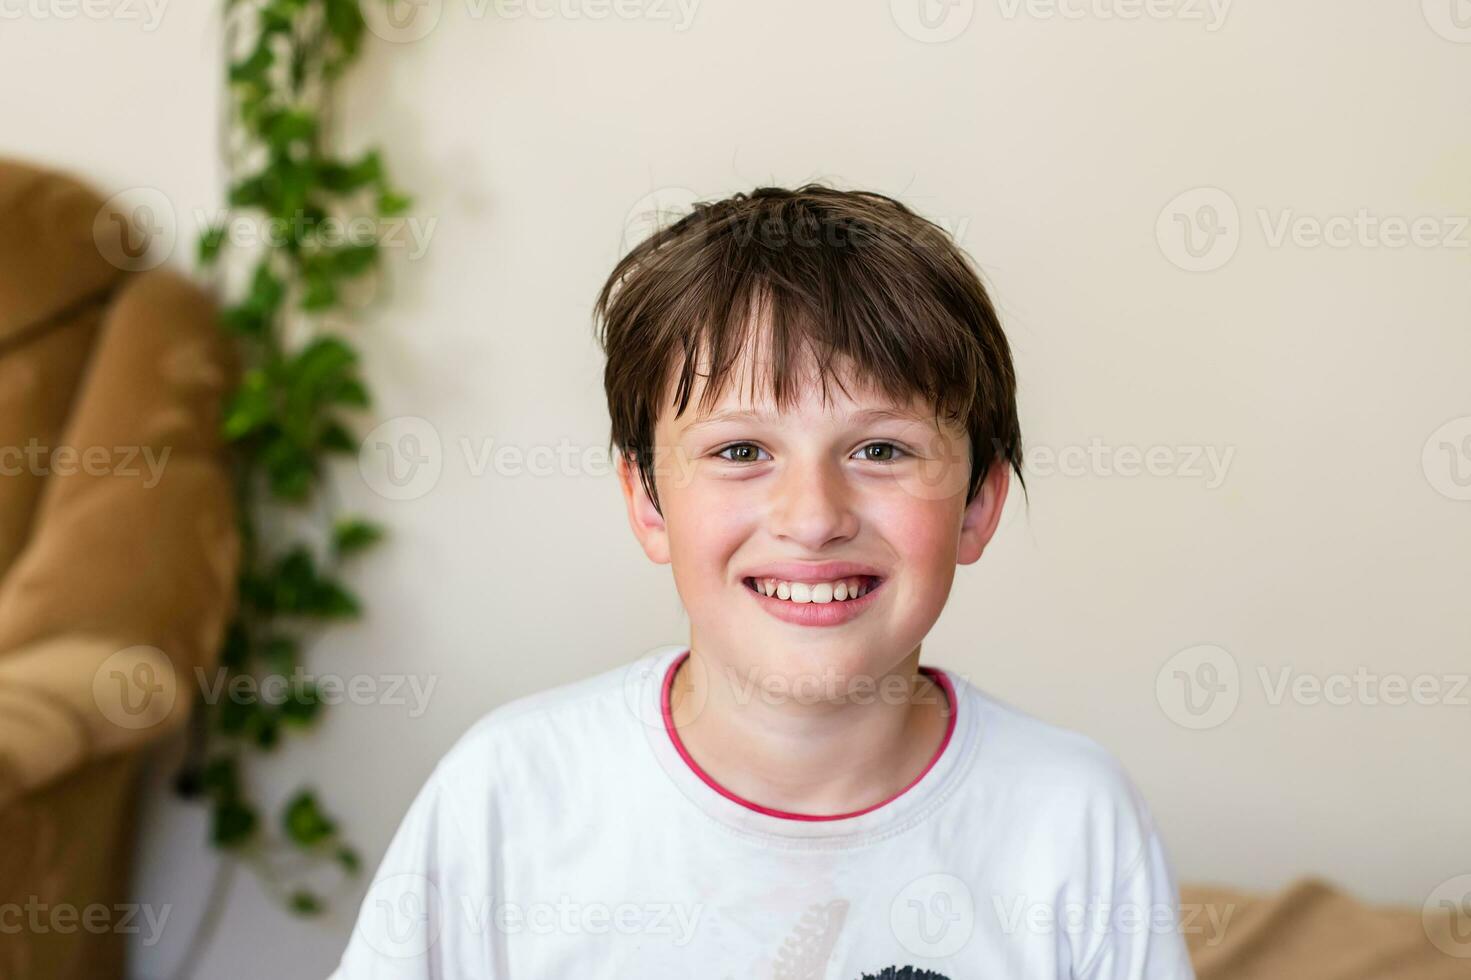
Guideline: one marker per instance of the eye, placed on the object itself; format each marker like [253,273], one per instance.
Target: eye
[894,452]
[745,452]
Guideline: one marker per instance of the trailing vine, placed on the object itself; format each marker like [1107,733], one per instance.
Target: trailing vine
[286,417]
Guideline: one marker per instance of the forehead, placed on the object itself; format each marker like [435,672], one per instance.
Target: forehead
[748,386]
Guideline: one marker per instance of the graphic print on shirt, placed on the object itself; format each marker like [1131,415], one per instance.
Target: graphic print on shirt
[804,954]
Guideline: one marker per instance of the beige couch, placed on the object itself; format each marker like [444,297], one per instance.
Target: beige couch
[118,556]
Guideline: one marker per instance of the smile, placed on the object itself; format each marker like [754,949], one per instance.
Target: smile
[829,603]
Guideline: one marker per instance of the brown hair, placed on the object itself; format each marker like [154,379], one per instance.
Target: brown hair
[852,273]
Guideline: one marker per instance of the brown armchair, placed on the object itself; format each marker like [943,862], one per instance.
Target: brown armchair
[118,557]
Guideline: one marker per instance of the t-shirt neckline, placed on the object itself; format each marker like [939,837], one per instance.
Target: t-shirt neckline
[910,804]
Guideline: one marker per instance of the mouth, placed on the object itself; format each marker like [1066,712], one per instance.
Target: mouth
[846,589]
[827,603]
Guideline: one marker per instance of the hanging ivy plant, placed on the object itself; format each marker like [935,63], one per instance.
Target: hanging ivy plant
[285,420]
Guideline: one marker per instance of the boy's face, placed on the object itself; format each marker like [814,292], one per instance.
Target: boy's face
[751,497]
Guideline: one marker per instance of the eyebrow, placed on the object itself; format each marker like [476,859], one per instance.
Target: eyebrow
[866,415]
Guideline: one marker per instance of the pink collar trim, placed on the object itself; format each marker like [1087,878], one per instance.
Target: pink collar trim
[931,672]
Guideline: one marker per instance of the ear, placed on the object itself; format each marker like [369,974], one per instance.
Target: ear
[646,521]
[983,514]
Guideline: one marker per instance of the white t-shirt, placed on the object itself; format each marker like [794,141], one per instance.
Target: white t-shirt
[568,835]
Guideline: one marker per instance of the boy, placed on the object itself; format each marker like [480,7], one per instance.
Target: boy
[814,410]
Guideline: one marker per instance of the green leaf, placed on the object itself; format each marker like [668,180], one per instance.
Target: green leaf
[290,126]
[316,377]
[209,244]
[334,602]
[320,292]
[351,392]
[250,408]
[251,192]
[281,15]
[391,203]
[302,705]
[352,535]
[221,778]
[235,650]
[305,903]
[354,260]
[341,178]
[264,727]
[257,592]
[282,653]
[254,67]
[345,22]
[304,821]
[293,182]
[348,858]
[234,823]
[320,363]
[336,439]
[243,320]
[290,468]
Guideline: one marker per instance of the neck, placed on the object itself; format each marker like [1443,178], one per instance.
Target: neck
[843,749]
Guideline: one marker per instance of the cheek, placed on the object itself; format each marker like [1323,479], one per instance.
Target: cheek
[922,530]
[707,525]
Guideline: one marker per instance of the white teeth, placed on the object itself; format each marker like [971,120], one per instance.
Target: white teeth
[838,590]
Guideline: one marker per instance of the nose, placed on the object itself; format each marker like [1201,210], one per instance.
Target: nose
[811,504]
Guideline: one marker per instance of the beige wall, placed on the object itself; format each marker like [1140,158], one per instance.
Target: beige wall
[1329,531]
